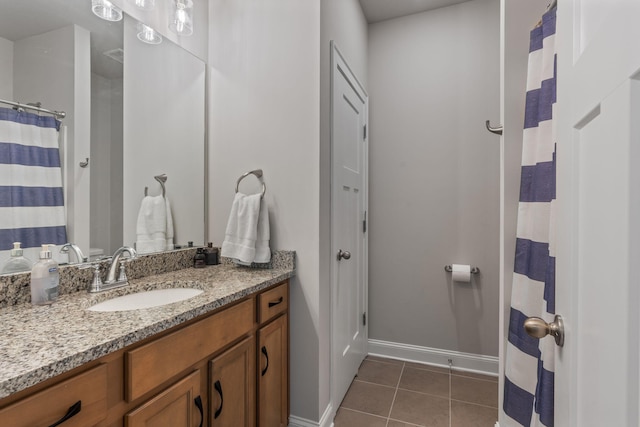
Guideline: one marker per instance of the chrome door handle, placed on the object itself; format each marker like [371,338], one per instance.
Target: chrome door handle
[345,254]
[538,328]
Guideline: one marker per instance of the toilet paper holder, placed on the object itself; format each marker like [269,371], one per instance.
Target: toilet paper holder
[474,270]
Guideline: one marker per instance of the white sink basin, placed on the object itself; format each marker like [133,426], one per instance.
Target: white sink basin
[146,299]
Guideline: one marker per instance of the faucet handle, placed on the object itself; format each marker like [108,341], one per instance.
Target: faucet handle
[122,275]
[96,283]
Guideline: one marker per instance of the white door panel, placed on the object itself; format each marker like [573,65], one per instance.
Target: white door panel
[598,198]
[348,198]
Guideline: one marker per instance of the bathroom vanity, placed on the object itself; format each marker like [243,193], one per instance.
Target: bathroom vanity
[218,359]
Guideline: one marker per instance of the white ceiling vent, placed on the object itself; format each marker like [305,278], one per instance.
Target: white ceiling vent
[115,54]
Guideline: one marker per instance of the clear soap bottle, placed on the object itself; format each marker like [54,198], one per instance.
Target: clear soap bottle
[45,279]
[17,262]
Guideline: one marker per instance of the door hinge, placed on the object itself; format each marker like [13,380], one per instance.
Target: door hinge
[365,133]
[364,318]
[364,222]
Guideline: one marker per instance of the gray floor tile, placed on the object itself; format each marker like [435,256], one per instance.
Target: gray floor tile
[474,391]
[380,373]
[349,418]
[420,409]
[470,415]
[414,365]
[429,382]
[370,398]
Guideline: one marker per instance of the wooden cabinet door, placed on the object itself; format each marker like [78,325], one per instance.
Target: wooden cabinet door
[178,406]
[273,374]
[232,386]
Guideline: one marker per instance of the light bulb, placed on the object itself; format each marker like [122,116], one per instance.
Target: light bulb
[106,10]
[148,35]
[145,4]
[181,22]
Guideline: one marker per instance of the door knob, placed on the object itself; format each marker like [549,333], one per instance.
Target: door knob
[345,254]
[538,328]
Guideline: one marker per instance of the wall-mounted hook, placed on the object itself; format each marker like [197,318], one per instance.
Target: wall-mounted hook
[497,130]
[85,163]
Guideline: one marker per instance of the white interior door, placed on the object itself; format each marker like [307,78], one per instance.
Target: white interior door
[599,212]
[348,235]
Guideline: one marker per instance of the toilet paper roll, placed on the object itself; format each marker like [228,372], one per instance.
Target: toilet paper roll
[461,273]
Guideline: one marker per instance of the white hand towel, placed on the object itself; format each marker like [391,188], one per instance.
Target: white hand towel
[242,229]
[169,228]
[263,252]
[151,226]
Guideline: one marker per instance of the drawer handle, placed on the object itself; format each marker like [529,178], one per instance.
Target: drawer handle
[73,411]
[198,402]
[276,302]
[264,351]
[218,388]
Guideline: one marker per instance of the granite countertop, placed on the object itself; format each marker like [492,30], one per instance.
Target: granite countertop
[40,342]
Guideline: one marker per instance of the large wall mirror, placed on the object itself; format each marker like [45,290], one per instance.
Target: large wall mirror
[135,110]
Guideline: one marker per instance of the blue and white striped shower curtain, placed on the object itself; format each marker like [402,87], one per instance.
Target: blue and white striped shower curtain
[31,197]
[529,371]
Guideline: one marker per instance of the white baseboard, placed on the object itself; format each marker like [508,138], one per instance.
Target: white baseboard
[325,421]
[487,365]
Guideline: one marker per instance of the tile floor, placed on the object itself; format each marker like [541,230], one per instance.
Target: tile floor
[393,393]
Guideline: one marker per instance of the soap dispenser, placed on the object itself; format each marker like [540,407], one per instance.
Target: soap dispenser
[44,279]
[17,262]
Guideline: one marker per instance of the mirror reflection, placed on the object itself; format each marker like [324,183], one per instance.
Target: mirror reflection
[134,105]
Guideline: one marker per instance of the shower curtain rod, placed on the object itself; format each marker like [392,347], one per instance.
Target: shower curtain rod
[57,114]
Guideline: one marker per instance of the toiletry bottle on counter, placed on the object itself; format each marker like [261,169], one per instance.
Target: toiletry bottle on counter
[44,279]
[199,260]
[211,254]
[17,262]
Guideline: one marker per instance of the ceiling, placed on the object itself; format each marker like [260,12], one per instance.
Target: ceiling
[381,10]
[19,19]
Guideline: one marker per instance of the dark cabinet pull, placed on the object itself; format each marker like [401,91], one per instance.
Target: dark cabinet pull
[276,302]
[73,410]
[198,402]
[264,351]
[218,388]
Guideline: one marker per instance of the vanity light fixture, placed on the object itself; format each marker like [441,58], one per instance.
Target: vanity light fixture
[181,17]
[145,4]
[148,35]
[106,10]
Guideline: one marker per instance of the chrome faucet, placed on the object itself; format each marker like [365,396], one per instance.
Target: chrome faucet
[117,267]
[76,250]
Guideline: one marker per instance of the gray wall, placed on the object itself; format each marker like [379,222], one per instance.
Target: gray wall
[343,22]
[106,167]
[434,180]
[6,70]
[264,110]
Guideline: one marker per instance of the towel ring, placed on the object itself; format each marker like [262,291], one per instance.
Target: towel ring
[258,174]
[161,179]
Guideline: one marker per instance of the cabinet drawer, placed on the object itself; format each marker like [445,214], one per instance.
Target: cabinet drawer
[50,405]
[156,362]
[273,302]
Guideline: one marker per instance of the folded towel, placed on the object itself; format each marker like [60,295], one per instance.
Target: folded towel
[263,252]
[149,246]
[243,230]
[169,228]
[151,235]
